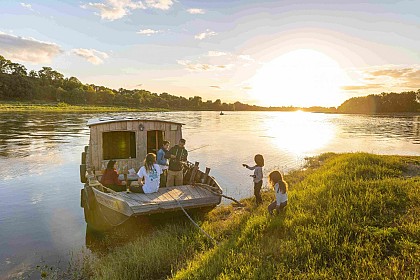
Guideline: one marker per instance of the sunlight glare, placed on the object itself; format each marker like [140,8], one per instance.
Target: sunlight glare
[298,136]
[299,78]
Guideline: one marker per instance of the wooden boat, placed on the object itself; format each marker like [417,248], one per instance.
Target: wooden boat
[128,140]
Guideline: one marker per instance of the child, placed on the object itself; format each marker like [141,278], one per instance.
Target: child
[258,176]
[280,188]
[163,162]
[149,176]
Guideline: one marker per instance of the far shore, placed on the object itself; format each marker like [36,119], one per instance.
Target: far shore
[61,107]
[9,106]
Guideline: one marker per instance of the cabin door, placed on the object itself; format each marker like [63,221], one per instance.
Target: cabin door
[154,140]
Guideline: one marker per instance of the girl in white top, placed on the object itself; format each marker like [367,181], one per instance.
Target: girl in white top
[149,174]
[280,188]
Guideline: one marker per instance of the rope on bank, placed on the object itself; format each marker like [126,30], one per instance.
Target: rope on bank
[206,187]
[192,221]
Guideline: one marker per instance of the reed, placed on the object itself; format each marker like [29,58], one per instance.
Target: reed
[349,216]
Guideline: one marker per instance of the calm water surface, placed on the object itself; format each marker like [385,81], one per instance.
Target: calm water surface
[40,216]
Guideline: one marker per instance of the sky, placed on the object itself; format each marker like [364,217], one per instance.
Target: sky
[269,53]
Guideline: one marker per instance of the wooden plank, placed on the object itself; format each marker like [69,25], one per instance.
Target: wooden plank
[175,193]
[187,190]
[113,126]
[194,172]
[156,196]
[194,192]
[142,198]
[205,175]
[129,126]
[99,151]
[165,194]
[153,197]
[204,192]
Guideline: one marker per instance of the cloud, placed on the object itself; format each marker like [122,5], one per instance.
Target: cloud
[404,77]
[390,77]
[26,6]
[27,49]
[159,4]
[205,34]
[202,66]
[196,11]
[247,88]
[148,32]
[394,73]
[216,53]
[91,55]
[412,79]
[245,57]
[361,87]
[215,87]
[116,9]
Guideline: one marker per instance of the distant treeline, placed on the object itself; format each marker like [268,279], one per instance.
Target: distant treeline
[48,85]
[404,102]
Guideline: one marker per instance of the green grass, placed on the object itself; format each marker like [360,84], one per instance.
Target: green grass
[13,106]
[349,216]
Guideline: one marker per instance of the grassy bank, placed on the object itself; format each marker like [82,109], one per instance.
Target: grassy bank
[349,216]
[64,108]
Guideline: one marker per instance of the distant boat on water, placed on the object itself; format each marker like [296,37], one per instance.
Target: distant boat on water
[221,113]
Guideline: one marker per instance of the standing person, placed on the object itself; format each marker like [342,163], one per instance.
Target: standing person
[110,177]
[280,188]
[149,175]
[257,177]
[163,162]
[176,155]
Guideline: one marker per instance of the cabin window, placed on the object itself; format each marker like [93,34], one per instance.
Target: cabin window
[119,145]
[154,140]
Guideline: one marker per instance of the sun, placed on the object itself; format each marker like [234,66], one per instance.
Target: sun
[301,78]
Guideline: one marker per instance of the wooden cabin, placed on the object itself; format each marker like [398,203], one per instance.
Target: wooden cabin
[127,140]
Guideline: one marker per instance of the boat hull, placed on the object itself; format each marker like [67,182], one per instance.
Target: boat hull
[104,211]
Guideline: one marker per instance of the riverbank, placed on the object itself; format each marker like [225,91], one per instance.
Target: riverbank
[66,108]
[348,214]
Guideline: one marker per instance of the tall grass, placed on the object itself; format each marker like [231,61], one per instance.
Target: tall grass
[349,216]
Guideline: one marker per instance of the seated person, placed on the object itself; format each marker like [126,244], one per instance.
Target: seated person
[110,178]
[280,187]
[149,176]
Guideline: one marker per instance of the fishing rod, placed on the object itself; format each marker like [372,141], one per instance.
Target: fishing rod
[197,148]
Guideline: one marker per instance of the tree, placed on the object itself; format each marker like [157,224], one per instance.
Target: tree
[49,76]
[18,69]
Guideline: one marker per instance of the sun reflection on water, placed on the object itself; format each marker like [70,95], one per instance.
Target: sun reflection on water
[299,134]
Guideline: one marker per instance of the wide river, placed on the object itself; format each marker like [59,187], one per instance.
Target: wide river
[41,221]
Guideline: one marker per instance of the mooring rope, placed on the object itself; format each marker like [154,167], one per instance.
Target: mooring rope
[192,221]
[219,194]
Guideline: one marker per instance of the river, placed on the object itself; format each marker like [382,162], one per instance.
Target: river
[41,221]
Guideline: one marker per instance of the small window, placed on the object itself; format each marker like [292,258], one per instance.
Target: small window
[119,145]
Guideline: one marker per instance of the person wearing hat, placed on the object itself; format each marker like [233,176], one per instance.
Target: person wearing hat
[110,177]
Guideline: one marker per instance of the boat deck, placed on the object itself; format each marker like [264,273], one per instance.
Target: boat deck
[166,199]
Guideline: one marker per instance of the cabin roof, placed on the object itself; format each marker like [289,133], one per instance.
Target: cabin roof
[104,120]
